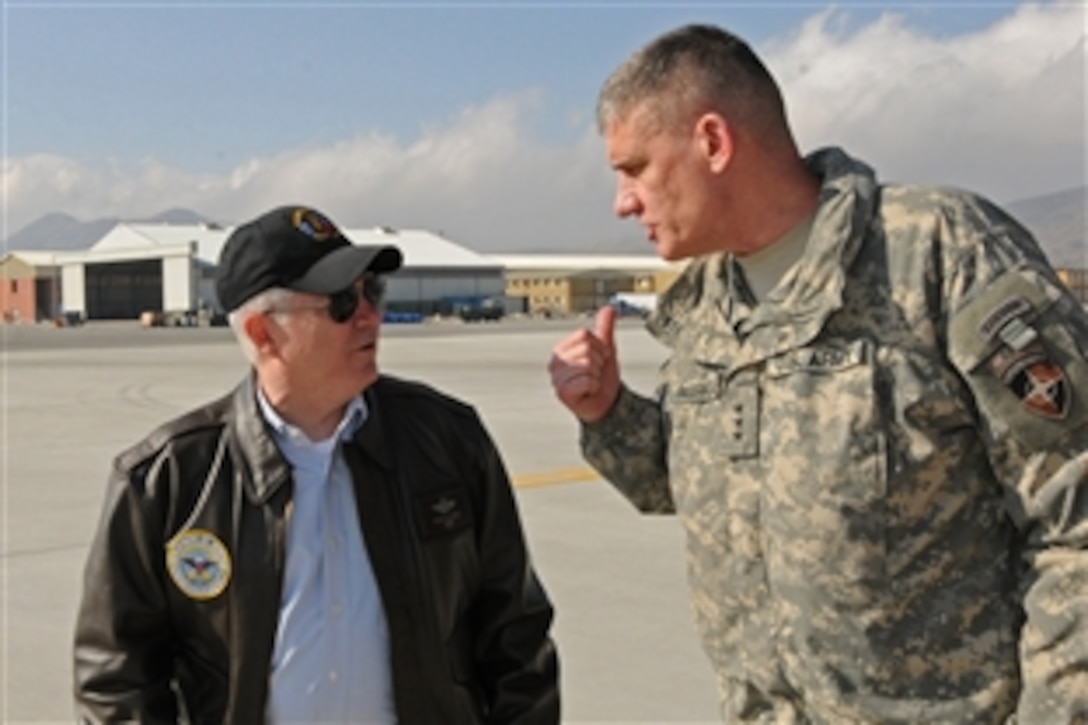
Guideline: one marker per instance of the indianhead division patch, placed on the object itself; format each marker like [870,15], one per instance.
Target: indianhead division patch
[1038,382]
[198,563]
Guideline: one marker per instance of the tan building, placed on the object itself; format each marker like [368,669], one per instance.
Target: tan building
[29,287]
[1077,282]
[574,284]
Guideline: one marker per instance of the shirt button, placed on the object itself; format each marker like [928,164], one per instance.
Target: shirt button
[334,675]
[337,609]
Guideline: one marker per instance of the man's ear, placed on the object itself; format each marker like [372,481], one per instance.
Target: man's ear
[256,327]
[715,138]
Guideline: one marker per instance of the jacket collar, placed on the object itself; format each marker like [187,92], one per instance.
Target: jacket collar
[257,451]
[266,466]
[372,436]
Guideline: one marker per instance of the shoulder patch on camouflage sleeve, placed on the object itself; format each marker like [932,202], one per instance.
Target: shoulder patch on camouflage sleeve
[1019,349]
[1039,383]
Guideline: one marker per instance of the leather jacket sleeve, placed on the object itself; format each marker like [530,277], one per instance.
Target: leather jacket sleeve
[124,663]
[516,659]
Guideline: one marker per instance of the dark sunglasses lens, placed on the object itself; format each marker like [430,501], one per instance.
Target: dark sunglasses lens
[342,304]
[374,290]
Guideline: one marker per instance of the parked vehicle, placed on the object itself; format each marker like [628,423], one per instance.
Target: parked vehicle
[482,312]
[634,304]
[477,308]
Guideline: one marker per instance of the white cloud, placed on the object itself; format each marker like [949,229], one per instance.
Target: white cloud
[482,179]
[1001,111]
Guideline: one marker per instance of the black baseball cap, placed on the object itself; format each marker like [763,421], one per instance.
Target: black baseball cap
[297,248]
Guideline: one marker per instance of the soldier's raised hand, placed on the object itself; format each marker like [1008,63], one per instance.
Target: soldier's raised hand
[584,370]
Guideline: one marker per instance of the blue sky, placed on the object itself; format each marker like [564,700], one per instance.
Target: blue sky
[476,118]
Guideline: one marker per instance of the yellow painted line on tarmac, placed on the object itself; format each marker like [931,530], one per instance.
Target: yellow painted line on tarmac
[552,478]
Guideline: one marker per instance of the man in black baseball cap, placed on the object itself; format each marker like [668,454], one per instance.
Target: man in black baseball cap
[324,544]
[296,248]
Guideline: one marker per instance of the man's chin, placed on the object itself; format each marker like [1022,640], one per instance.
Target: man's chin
[668,252]
[368,376]
[672,250]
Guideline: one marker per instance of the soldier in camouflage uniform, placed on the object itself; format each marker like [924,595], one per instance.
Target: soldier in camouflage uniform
[880,462]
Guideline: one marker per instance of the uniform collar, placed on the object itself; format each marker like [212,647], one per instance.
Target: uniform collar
[702,306]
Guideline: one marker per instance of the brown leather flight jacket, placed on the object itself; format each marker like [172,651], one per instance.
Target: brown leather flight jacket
[468,619]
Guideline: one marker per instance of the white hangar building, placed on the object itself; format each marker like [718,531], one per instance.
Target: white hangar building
[171,268]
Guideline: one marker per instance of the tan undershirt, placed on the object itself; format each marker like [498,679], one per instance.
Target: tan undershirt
[763,269]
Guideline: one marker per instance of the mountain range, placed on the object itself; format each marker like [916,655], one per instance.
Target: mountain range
[59,232]
[1057,220]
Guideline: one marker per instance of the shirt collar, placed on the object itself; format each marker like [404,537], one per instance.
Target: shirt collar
[355,414]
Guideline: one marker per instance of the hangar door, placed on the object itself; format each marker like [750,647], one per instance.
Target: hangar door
[122,290]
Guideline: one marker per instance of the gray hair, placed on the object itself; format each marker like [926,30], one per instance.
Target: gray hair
[270,299]
[692,70]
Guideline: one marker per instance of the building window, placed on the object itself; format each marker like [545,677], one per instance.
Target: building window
[14,286]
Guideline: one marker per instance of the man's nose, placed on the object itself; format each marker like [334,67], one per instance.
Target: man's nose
[626,202]
[365,309]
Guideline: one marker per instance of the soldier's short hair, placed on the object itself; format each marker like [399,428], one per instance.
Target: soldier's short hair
[689,71]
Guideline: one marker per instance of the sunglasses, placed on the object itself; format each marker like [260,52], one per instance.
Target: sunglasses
[342,304]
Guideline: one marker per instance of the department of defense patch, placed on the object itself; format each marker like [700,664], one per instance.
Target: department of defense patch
[198,563]
[1038,382]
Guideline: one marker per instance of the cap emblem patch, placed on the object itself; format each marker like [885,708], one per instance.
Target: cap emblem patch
[198,563]
[314,225]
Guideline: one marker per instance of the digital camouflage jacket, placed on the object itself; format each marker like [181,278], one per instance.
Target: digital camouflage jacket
[882,468]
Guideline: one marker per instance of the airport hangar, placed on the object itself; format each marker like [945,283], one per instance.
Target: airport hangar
[136,268]
[171,268]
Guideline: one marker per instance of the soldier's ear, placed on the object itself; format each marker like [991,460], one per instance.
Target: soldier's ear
[714,136]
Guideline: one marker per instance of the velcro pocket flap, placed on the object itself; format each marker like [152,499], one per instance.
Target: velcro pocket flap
[974,329]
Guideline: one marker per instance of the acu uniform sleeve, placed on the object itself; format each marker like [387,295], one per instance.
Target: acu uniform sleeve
[628,448]
[1021,343]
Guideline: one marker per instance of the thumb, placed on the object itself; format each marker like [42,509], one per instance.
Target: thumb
[606,325]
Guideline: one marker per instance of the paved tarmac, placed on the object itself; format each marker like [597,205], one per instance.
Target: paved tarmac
[72,398]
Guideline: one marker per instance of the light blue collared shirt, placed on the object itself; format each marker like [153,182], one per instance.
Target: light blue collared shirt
[331,658]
